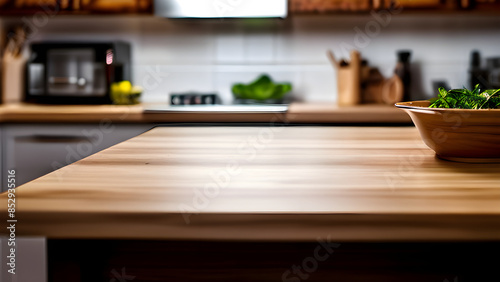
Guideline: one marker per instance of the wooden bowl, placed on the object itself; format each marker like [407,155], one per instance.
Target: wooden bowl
[457,134]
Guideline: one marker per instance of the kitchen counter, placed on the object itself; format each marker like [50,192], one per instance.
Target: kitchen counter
[297,113]
[265,183]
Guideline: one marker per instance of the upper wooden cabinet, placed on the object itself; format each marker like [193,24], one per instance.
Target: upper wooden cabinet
[338,6]
[17,7]
[323,6]
[23,7]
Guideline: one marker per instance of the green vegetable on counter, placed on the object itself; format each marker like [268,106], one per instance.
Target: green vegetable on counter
[261,89]
[467,99]
[123,93]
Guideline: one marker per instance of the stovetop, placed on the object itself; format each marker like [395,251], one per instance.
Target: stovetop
[271,108]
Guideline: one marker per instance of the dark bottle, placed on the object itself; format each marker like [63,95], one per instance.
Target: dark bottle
[477,75]
[475,69]
[403,71]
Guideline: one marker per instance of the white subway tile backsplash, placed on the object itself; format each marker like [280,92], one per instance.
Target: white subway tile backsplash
[230,48]
[179,56]
[160,81]
[259,47]
[320,86]
[177,47]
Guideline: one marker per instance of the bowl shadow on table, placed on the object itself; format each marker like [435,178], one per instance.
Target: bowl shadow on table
[466,168]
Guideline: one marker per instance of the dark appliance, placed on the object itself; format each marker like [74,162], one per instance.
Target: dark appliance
[178,99]
[488,77]
[76,73]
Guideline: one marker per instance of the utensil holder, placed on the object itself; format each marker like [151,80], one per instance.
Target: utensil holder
[349,81]
[13,68]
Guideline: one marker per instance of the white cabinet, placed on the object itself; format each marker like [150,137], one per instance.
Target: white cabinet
[35,150]
[30,259]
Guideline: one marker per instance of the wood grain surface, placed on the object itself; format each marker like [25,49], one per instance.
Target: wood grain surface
[292,183]
[298,113]
[14,113]
[332,113]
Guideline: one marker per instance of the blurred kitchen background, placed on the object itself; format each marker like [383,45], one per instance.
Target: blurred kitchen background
[210,55]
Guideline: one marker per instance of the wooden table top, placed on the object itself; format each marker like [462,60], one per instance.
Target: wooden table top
[297,113]
[265,183]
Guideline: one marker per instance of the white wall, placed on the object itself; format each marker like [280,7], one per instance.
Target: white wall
[210,56]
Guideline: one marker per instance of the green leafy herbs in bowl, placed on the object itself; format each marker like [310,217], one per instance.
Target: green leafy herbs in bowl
[467,99]
[261,89]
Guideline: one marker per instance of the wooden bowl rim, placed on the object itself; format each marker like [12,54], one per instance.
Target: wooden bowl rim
[420,106]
